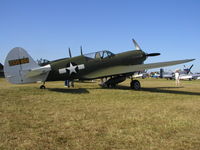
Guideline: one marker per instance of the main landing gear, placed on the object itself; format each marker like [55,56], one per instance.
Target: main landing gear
[69,83]
[43,86]
[112,82]
[135,84]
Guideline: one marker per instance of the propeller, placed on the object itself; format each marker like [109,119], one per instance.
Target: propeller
[152,54]
[189,70]
[191,67]
[137,47]
[70,54]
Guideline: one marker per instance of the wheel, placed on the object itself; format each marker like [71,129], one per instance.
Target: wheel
[42,87]
[135,84]
[110,85]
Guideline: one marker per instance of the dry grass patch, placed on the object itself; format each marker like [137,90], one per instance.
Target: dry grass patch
[160,116]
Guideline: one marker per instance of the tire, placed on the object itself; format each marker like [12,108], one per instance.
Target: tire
[135,84]
[110,85]
[42,87]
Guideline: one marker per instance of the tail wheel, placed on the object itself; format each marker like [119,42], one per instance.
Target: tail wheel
[135,84]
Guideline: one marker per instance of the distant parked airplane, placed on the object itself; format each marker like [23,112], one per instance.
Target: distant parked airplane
[185,74]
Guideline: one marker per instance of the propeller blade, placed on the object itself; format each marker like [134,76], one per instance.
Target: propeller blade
[152,54]
[190,68]
[137,47]
[70,54]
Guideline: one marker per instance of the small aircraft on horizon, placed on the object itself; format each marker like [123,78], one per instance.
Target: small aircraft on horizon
[185,74]
[20,68]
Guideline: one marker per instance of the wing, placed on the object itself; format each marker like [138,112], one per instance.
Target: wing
[117,70]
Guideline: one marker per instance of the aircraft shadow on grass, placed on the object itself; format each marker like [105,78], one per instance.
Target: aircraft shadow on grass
[161,90]
[165,90]
[120,87]
[73,91]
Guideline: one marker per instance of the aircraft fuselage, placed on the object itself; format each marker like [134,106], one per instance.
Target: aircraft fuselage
[77,67]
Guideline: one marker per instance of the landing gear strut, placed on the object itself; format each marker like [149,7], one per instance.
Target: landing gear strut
[43,86]
[69,83]
[135,84]
[112,82]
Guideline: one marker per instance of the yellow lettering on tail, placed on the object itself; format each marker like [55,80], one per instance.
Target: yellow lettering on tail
[18,61]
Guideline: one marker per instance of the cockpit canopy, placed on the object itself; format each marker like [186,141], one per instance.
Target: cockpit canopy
[42,62]
[99,54]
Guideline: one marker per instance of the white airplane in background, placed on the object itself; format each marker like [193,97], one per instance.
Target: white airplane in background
[169,75]
[189,76]
[185,74]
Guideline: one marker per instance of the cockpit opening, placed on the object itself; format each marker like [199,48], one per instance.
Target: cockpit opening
[100,54]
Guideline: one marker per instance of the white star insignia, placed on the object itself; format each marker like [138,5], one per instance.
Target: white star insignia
[71,69]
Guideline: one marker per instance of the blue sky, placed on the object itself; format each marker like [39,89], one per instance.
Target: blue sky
[46,28]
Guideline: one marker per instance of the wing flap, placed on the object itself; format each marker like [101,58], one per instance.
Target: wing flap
[117,70]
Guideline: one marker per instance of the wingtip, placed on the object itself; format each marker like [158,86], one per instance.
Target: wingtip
[192,59]
[189,60]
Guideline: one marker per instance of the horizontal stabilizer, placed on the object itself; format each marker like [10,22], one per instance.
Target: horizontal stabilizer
[38,71]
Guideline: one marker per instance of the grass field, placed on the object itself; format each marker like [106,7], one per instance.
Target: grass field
[160,116]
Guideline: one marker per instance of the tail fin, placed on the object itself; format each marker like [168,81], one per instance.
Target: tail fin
[18,66]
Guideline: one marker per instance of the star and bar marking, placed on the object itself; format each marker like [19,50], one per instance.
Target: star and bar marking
[72,68]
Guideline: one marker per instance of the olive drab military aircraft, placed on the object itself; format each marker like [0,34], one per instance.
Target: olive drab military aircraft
[20,68]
